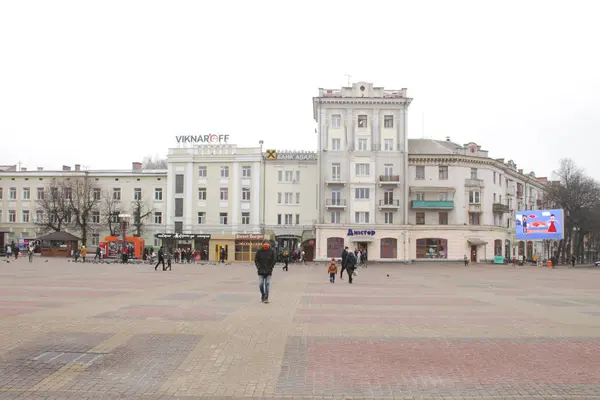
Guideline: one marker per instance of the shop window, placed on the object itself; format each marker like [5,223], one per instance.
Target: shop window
[246,249]
[389,248]
[498,247]
[335,245]
[432,248]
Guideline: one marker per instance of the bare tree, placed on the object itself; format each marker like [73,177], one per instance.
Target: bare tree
[81,202]
[54,207]
[110,208]
[155,162]
[141,211]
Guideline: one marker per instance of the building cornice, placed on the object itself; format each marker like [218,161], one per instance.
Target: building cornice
[362,100]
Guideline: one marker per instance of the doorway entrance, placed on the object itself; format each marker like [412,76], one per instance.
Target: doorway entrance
[474,254]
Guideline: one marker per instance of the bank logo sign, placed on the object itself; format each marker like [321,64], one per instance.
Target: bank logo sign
[353,232]
[203,139]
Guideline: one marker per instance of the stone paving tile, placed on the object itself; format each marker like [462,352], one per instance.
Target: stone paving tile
[552,302]
[396,301]
[183,296]
[165,312]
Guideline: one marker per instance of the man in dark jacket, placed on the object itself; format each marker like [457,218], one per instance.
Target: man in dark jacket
[161,258]
[350,265]
[265,261]
[344,254]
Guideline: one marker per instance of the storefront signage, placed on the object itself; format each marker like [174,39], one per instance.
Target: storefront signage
[352,232]
[249,236]
[203,139]
[291,155]
[183,236]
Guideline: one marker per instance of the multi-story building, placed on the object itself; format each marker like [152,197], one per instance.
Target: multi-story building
[363,159]
[290,201]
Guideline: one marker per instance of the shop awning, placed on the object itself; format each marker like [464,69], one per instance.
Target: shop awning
[307,235]
[476,242]
[361,239]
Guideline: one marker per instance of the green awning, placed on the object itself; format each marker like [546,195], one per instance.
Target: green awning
[307,235]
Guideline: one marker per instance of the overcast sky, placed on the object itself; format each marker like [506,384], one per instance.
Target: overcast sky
[105,83]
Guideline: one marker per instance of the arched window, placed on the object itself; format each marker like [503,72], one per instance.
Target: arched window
[529,250]
[335,245]
[432,248]
[388,248]
[521,248]
[498,247]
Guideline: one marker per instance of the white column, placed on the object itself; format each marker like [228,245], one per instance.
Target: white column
[188,205]
[167,197]
[235,198]
[256,196]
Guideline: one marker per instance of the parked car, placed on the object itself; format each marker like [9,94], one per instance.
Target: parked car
[597,263]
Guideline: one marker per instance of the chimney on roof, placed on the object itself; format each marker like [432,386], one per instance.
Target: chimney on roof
[66,168]
[77,167]
[447,138]
[40,168]
[520,171]
[136,166]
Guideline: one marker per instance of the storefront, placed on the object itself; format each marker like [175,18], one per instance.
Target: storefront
[246,246]
[432,248]
[222,241]
[197,241]
[381,245]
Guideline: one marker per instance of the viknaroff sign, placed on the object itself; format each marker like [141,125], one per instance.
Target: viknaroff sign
[203,139]
[352,232]
[182,236]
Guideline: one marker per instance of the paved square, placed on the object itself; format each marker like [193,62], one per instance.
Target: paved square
[94,331]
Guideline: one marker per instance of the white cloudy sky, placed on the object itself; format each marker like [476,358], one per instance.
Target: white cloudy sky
[103,83]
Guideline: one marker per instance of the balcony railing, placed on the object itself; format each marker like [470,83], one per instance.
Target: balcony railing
[433,204]
[389,203]
[335,180]
[335,202]
[474,182]
[389,179]
[500,208]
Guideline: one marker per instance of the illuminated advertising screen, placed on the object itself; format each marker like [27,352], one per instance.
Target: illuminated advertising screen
[539,224]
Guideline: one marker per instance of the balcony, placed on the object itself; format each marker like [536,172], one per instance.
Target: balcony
[389,204]
[335,203]
[500,208]
[433,204]
[389,180]
[335,181]
[475,208]
[474,183]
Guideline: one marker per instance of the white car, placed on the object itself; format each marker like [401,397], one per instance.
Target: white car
[597,264]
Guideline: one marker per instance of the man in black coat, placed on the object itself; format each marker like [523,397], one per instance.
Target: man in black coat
[265,262]
[350,265]
[344,254]
[161,258]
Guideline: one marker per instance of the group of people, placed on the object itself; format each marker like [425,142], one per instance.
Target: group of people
[13,250]
[293,256]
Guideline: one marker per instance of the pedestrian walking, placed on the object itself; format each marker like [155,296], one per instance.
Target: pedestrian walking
[30,253]
[161,259]
[332,270]
[169,258]
[344,254]
[265,262]
[350,265]
[466,260]
[83,253]
[286,259]
[97,255]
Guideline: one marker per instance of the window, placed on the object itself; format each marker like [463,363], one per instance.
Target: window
[335,245]
[363,169]
[279,198]
[245,218]
[25,216]
[388,144]
[12,193]
[223,218]
[297,219]
[500,179]
[288,219]
[158,218]
[361,193]
[202,194]
[500,198]
[245,194]
[420,196]
[26,194]
[420,172]
[158,194]
[288,197]
[363,144]
[224,171]
[12,216]
[289,176]
[40,194]
[362,121]
[297,176]
[68,193]
[53,219]
[474,197]
[224,194]
[432,248]
[39,216]
[137,194]
[494,176]
[279,176]
[443,172]
[178,227]
[179,207]
[117,194]
[388,248]
[246,172]
[443,218]
[278,219]
[361,217]
[388,217]
[420,220]
[201,218]
[297,197]
[474,218]
[95,217]
[179,184]
[474,173]
[498,247]
[335,217]
[336,121]
[494,197]
[388,197]
[388,170]
[336,172]
[202,172]
[388,121]
[95,239]
[336,144]
[336,197]
[2,193]
[444,196]
[97,193]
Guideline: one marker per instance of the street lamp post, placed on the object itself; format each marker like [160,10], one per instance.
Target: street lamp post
[124,222]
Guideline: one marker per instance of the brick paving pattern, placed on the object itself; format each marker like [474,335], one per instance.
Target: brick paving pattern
[93,331]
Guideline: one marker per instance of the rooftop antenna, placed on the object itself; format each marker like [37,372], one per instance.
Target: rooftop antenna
[19,163]
[423,126]
[349,78]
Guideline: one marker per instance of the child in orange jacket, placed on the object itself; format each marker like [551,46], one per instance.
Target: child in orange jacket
[332,270]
